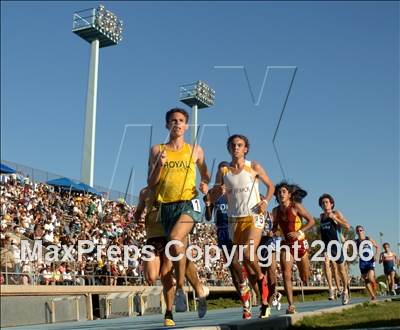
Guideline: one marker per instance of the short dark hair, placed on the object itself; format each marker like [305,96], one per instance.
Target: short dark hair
[239,136]
[174,110]
[386,243]
[326,196]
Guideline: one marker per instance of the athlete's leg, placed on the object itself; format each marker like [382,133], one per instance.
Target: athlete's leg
[152,270]
[392,280]
[243,288]
[238,268]
[335,273]
[369,278]
[328,272]
[388,282]
[180,232]
[254,285]
[342,270]
[167,281]
[235,278]
[286,261]
[304,268]
[252,236]
[234,236]
[193,278]
[271,276]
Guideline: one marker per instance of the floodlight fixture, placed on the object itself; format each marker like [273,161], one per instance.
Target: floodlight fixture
[197,95]
[98,24]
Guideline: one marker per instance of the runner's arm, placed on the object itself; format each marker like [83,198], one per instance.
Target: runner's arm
[305,215]
[376,246]
[141,204]
[339,218]
[381,258]
[264,178]
[209,206]
[156,161]
[202,166]
[219,189]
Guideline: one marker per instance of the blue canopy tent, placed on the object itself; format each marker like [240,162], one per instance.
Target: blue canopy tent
[89,189]
[66,184]
[6,169]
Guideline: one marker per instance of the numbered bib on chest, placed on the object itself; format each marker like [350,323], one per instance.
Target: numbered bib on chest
[196,205]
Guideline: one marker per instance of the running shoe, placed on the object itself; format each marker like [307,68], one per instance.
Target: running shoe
[180,301]
[291,310]
[202,302]
[265,311]
[246,313]
[345,298]
[168,319]
[277,300]
[169,323]
[331,294]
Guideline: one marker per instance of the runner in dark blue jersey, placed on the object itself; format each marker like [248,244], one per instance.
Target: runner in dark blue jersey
[331,224]
[365,247]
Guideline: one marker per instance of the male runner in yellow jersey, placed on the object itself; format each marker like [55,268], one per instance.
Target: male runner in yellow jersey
[172,173]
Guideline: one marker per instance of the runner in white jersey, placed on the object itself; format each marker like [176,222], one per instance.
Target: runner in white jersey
[239,182]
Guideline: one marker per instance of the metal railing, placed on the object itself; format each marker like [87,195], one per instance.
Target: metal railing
[37,278]
[36,175]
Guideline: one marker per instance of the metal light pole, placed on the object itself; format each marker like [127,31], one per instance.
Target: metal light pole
[198,96]
[101,28]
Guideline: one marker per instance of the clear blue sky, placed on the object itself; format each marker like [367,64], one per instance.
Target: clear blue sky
[339,133]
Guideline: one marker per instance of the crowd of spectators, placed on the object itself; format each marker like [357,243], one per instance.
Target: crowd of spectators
[36,211]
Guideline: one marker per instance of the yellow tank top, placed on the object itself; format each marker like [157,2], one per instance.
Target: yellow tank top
[178,176]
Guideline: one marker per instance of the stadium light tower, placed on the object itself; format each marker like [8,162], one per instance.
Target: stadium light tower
[101,28]
[197,95]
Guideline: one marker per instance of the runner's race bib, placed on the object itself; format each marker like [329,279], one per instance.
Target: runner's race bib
[196,205]
[259,221]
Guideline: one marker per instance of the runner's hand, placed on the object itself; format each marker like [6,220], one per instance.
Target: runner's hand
[162,158]
[293,235]
[217,191]
[203,187]
[260,208]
